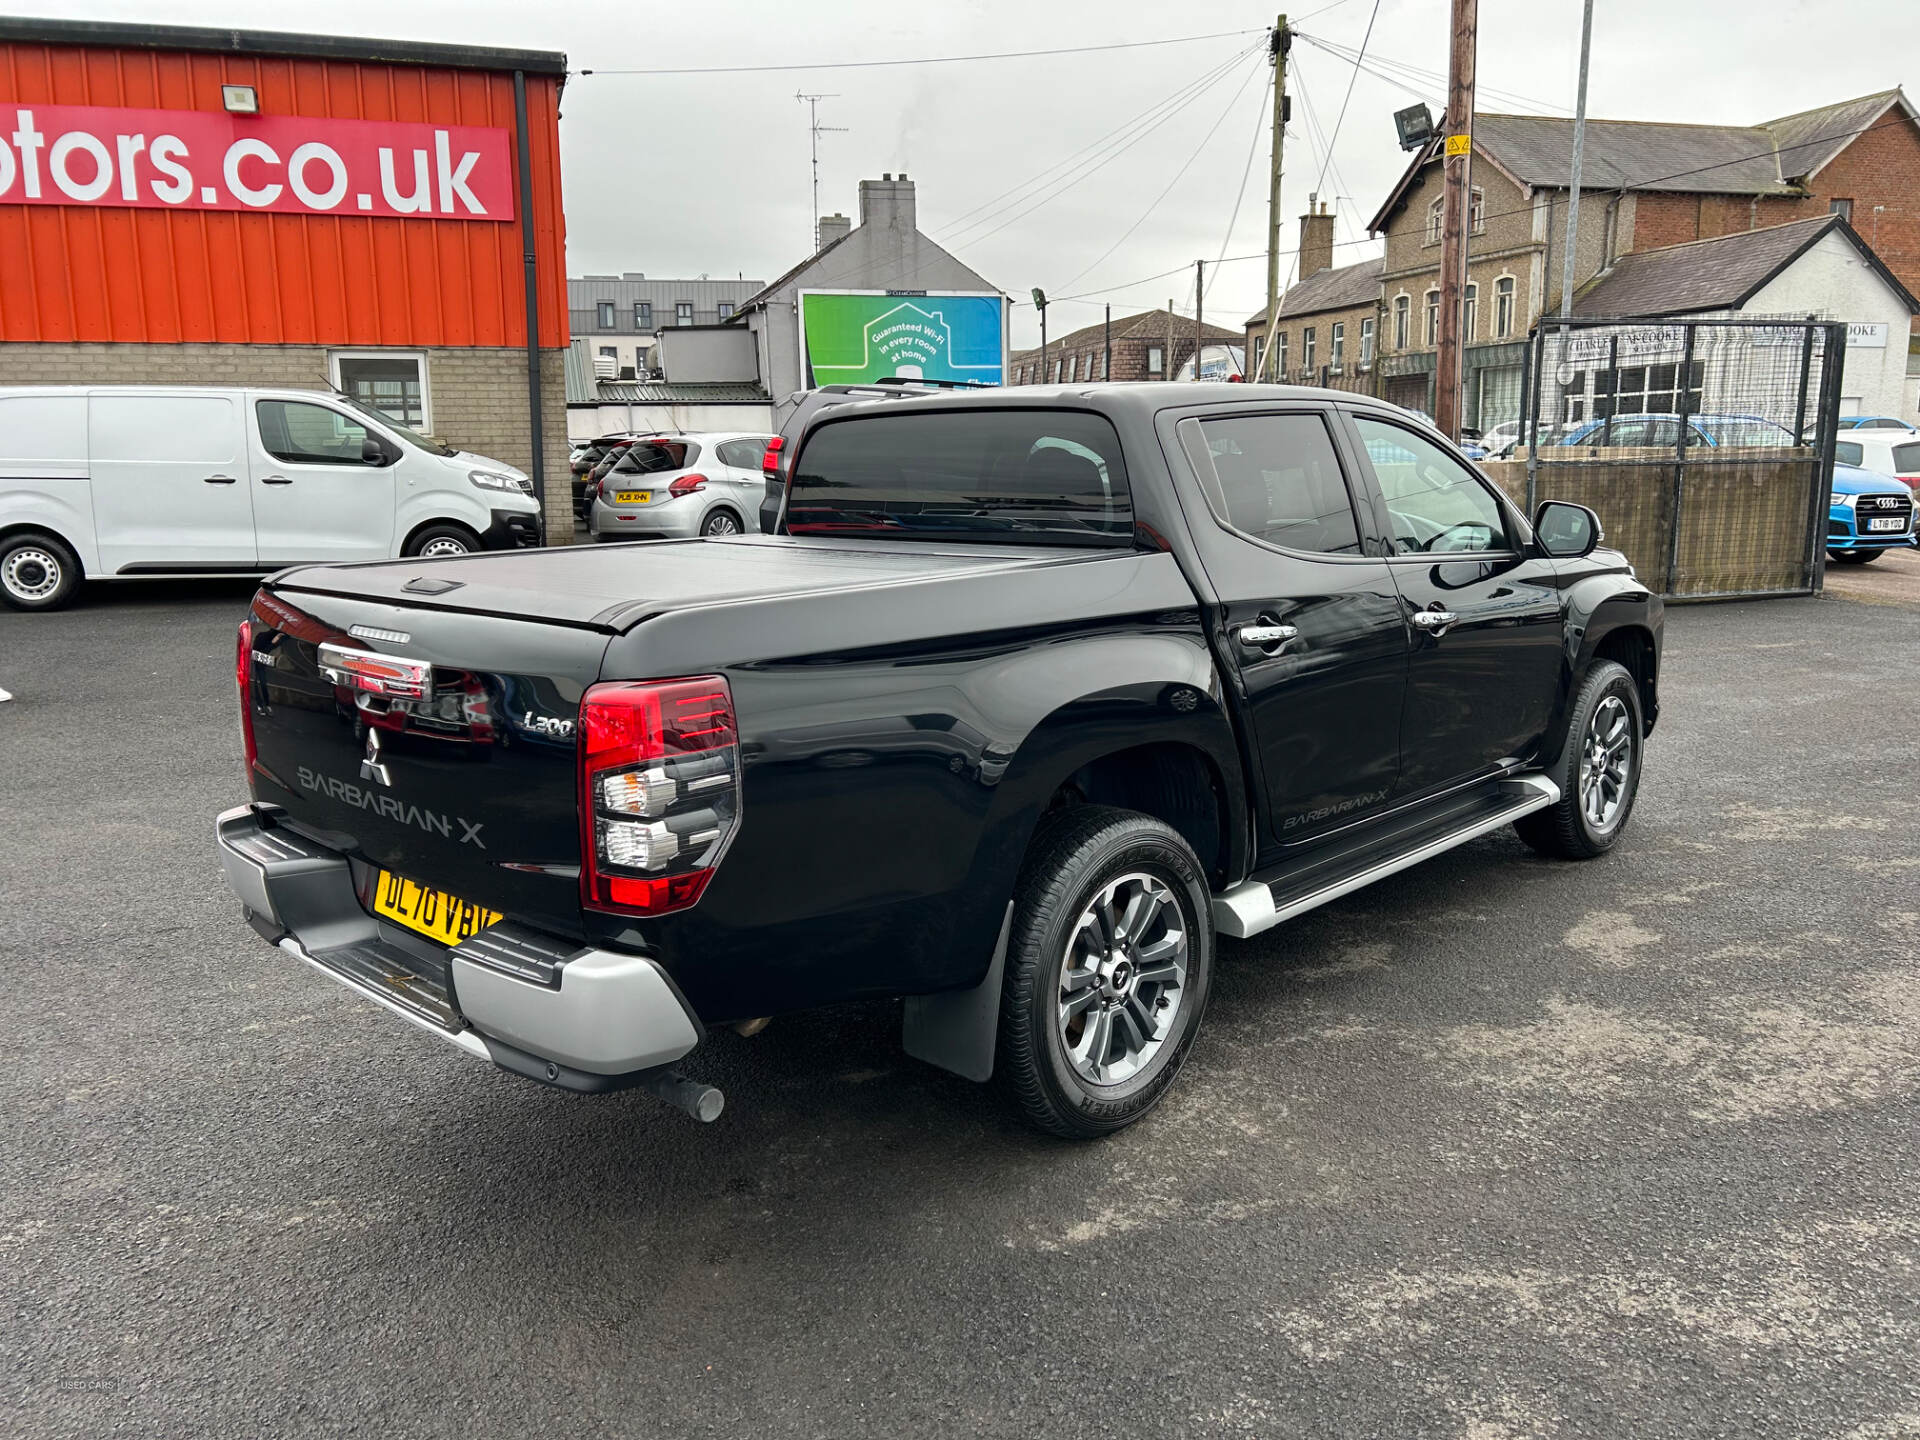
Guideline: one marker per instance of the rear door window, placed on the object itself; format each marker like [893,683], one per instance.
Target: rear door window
[1274,478]
[1906,458]
[1046,476]
[1848,452]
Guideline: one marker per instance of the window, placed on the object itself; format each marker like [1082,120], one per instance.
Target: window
[1259,356]
[1274,478]
[1059,370]
[1402,310]
[683,312]
[1470,313]
[657,457]
[1366,341]
[1337,344]
[1027,475]
[1503,307]
[742,454]
[1906,459]
[297,433]
[1842,208]
[603,314]
[726,309]
[1306,351]
[1433,317]
[1436,220]
[1477,212]
[1435,503]
[609,352]
[1437,216]
[1849,452]
[1280,357]
[1153,360]
[643,314]
[393,384]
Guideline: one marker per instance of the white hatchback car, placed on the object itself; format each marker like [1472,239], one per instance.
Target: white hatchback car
[1885,452]
[681,486]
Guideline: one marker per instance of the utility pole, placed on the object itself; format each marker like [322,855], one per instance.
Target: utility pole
[1456,214]
[1279,42]
[1166,358]
[817,130]
[1573,179]
[1199,307]
[1040,304]
[1106,367]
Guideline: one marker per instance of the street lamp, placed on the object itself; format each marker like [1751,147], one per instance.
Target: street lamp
[1040,304]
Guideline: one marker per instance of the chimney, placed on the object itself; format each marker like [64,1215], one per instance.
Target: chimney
[832,228]
[888,202]
[1316,238]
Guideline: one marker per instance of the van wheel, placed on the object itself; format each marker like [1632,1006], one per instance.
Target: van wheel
[1108,966]
[37,572]
[435,542]
[1598,773]
[721,522]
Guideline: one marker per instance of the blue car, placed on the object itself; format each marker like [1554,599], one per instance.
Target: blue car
[1663,431]
[1876,422]
[1867,516]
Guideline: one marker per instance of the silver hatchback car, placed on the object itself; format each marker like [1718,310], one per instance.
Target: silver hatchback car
[680,486]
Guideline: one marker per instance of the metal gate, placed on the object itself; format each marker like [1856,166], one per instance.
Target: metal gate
[1705,446]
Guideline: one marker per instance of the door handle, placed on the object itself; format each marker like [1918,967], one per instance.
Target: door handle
[219,480]
[1434,621]
[1262,636]
[275,480]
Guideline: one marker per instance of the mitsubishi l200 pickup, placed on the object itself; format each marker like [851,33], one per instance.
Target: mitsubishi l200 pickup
[1031,696]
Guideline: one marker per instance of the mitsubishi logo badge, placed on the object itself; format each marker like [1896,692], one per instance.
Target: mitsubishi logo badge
[371,767]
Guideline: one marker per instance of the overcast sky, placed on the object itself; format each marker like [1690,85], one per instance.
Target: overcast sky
[692,174]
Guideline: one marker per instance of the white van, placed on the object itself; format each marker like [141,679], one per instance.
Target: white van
[137,481]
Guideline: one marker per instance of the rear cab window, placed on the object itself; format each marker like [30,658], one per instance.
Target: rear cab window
[1274,478]
[1053,477]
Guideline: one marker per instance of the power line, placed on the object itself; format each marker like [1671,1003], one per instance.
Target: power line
[1259,124]
[1341,119]
[1181,172]
[923,59]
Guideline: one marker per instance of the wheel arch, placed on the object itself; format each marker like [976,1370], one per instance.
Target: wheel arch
[433,521]
[13,528]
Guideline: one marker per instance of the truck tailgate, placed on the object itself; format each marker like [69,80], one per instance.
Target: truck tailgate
[468,788]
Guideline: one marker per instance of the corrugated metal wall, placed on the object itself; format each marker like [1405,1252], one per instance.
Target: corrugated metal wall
[86,273]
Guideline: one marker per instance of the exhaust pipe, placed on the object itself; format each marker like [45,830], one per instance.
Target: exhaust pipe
[702,1102]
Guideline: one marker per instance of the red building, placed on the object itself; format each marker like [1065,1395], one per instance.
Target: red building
[204,206]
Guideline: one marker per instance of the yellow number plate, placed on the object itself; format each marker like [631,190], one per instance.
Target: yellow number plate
[633,497]
[426,911]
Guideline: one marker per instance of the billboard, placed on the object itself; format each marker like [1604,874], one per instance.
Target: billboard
[859,336]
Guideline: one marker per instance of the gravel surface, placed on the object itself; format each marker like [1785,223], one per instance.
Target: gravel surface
[1502,1147]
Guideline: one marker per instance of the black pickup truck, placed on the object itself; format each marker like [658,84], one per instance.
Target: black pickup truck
[1036,693]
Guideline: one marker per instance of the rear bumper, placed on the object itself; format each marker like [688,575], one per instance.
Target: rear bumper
[675,519]
[538,1005]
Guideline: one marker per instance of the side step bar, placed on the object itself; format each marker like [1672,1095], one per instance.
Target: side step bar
[1258,904]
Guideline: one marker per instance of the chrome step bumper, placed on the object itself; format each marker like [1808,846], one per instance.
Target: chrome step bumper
[541,1006]
[1262,902]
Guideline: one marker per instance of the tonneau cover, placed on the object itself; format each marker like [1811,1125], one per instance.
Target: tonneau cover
[613,587]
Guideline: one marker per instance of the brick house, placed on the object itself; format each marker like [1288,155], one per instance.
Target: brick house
[1329,326]
[1644,186]
[1141,351]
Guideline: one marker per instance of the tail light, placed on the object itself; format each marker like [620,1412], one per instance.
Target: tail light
[687,484]
[770,462]
[659,792]
[243,672]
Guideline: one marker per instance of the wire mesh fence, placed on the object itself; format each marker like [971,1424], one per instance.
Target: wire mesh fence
[1705,446]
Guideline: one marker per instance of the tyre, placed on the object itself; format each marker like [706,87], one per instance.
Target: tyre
[1854,557]
[1598,771]
[37,572]
[437,541]
[1109,961]
[721,522]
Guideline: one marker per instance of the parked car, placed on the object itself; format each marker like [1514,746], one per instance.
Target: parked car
[1663,431]
[675,486]
[1877,422]
[1868,515]
[142,481]
[1045,689]
[589,462]
[1499,442]
[1890,453]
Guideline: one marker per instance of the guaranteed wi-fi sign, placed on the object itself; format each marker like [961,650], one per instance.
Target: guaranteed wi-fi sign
[859,336]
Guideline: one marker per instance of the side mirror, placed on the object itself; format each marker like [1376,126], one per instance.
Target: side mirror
[372,452]
[1566,531]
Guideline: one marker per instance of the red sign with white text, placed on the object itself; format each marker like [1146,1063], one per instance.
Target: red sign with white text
[208,160]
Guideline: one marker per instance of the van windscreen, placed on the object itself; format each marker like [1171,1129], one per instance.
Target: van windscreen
[1052,476]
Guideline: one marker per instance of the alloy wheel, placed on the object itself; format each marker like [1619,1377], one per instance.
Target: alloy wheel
[1606,765]
[1123,979]
[722,524]
[30,573]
